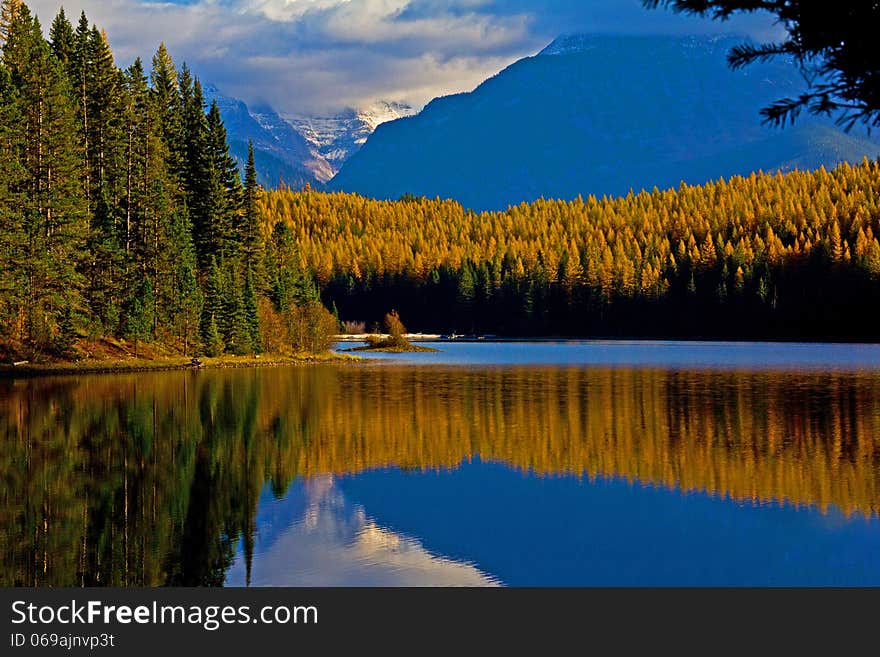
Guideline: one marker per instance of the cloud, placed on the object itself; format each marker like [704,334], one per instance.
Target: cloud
[318,56]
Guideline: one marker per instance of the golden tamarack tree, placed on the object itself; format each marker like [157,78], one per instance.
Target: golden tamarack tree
[762,251]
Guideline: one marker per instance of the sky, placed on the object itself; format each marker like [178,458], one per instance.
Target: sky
[316,57]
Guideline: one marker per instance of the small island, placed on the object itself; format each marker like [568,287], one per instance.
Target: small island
[395,341]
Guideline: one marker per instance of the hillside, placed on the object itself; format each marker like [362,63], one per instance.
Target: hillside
[790,256]
[597,115]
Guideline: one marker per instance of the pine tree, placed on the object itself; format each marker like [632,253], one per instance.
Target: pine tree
[185,299]
[167,104]
[138,147]
[212,342]
[252,317]
[203,194]
[9,10]
[250,218]
[139,314]
[62,38]
[225,188]
[78,67]
[121,208]
[43,151]
[233,319]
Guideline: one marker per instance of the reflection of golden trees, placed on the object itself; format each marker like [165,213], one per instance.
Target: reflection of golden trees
[803,439]
[151,479]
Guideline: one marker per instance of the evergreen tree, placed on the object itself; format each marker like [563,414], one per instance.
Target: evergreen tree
[140,143]
[78,67]
[42,149]
[225,192]
[212,308]
[62,38]
[139,314]
[252,317]
[167,104]
[249,237]
[233,320]
[14,243]
[185,298]
[121,209]
[9,10]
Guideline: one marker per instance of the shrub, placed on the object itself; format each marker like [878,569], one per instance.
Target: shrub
[354,328]
[312,328]
[396,330]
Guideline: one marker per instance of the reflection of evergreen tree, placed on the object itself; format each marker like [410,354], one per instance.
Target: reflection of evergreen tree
[155,479]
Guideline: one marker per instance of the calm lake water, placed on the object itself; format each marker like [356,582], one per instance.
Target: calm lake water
[571,463]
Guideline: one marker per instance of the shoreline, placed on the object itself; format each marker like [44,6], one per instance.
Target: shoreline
[411,349]
[170,364]
[490,339]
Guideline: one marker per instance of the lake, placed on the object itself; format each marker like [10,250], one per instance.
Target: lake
[489,463]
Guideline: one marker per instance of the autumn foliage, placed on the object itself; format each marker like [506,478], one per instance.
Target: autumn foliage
[775,255]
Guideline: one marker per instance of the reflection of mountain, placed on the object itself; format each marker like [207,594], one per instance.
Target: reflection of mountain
[335,543]
[188,454]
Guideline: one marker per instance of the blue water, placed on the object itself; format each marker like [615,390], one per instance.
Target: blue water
[523,530]
[754,356]
[488,522]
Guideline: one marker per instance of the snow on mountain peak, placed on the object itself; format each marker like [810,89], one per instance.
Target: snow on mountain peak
[338,137]
[568,44]
[313,146]
[383,111]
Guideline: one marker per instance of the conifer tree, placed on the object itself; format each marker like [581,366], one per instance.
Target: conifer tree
[167,104]
[121,209]
[233,320]
[203,194]
[42,149]
[139,145]
[78,68]
[9,10]
[62,38]
[212,307]
[139,314]
[225,191]
[252,317]
[185,299]
[250,218]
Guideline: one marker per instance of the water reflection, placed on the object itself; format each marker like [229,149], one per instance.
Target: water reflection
[157,479]
[334,543]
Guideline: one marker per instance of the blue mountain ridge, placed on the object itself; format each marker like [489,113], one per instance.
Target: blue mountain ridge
[599,115]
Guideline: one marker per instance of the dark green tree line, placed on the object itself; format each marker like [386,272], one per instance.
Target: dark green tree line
[122,212]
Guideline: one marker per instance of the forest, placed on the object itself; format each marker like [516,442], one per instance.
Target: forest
[125,222]
[123,217]
[778,256]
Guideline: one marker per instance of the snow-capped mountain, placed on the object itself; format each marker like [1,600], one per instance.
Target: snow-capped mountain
[279,155]
[339,137]
[299,150]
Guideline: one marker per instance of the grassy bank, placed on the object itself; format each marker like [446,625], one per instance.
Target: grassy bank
[116,356]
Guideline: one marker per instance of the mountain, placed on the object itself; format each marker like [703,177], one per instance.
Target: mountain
[280,152]
[337,138]
[597,115]
[297,149]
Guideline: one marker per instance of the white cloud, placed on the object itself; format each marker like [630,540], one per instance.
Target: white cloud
[312,55]
[317,56]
